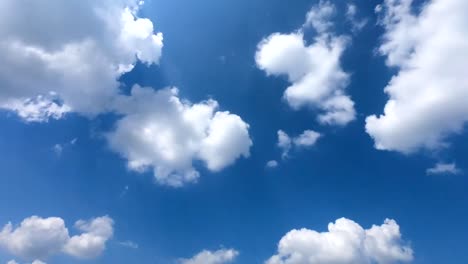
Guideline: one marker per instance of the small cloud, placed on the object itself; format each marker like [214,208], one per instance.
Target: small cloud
[272,164]
[129,244]
[351,15]
[444,168]
[308,138]
[59,148]
[124,191]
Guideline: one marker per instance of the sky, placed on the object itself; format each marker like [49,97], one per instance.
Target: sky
[248,131]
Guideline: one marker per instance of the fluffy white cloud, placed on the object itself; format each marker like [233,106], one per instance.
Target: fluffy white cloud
[38,238]
[314,71]
[160,131]
[35,238]
[428,94]
[444,168]
[346,242]
[12,262]
[208,257]
[92,242]
[68,56]
[308,138]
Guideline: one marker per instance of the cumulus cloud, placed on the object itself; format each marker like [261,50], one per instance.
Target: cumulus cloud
[92,242]
[68,56]
[307,139]
[427,96]
[346,242]
[38,238]
[162,132]
[314,71]
[209,257]
[443,168]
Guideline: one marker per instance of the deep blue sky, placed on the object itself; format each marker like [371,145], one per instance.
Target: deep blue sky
[209,53]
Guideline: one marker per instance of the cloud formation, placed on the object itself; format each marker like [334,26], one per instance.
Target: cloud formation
[221,256]
[345,242]
[38,238]
[427,97]
[314,71]
[307,139]
[161,132]
[68,56]
[444,168]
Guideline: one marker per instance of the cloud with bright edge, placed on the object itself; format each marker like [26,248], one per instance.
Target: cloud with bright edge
[50,68]
[307,139]
[345,242]
[221,256]
[314,71]
[444,168]
[427,96]
[39,238]
[76,69]
[161,132]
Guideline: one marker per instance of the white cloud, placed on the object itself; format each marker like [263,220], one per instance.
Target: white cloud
[428,94]
[35,238]
[208,257]
[68,56]
[166,134]
[444,168]
[308,138]
[272,164]
[38,238]
[38,262]
[92,242]
[314,71]
[319,16]
[12,262]
[346,242]
[351,15]
[284,143]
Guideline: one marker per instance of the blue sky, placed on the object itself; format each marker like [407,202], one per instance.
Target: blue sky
[68,166]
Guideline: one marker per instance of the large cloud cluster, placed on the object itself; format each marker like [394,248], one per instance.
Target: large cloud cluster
[67,56]
[38,238]
[427,97]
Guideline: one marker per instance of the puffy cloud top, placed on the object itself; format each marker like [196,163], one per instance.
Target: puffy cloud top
[346,242]
[68,56]
[39,238]
[314,71]
[162,132]
[208,257]
[428,94]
